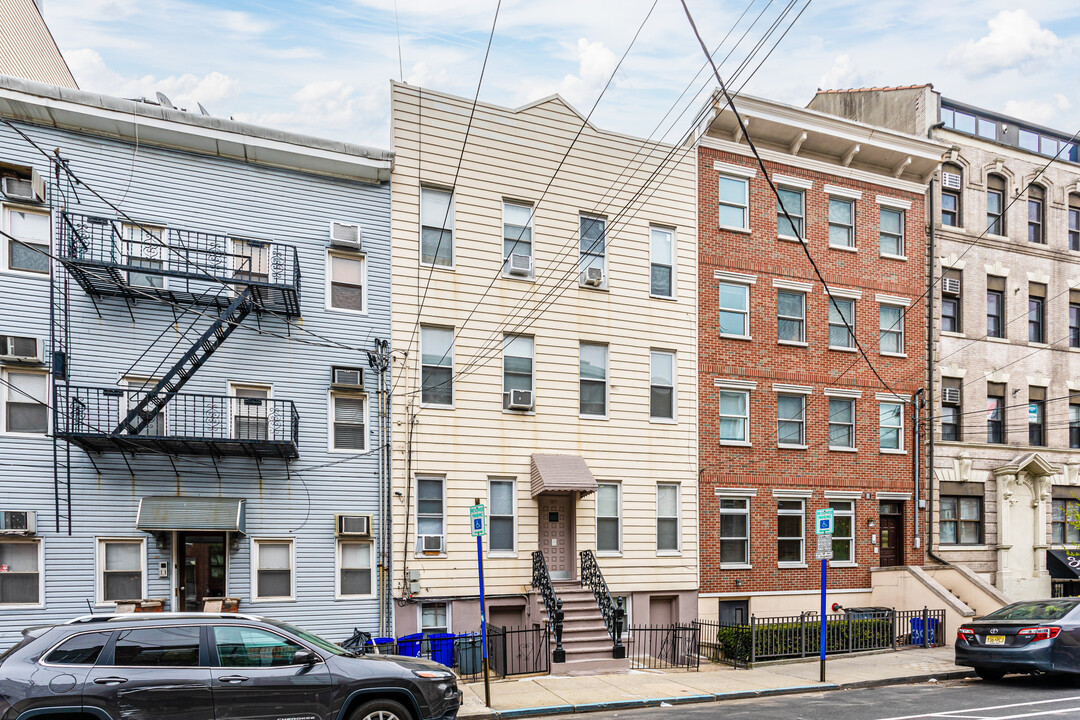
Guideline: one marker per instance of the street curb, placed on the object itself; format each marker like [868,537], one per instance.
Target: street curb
[908,679]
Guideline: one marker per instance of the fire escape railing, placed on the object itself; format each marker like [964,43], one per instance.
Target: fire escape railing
[541,581]
[613,611]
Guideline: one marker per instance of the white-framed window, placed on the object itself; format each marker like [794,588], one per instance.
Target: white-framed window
[273,560]
[661,262]
[25,395]
[841,222]
[21,580]
[791,316]
[518,359]
[794,201]
[436,227]
[517,237]
[892,329]
[354,569]
[348,421]
[593,236]
[790,527]
[608,518]
[430,514]
[250,260]
[667,518]
[145,248]
[892,425]
[29,251]
[843,542]
[434,618]
[791,420]
[841,423]
[593,371]
[735,416]
[121,565]
[734,531]
[892,232]
[346,286]
[137,387]
[661,385]
[841,310]
[249,411]
[436,366]
[502,515]
[733,194]
[734,303]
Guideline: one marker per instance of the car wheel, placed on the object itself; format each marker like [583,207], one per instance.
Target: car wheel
[989,674]
[381,710]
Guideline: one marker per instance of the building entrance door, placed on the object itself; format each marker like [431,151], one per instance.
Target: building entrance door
[556,535]
[202,559]
[892,534]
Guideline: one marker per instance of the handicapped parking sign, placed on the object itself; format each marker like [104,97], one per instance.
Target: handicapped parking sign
[476,515]
[825,522]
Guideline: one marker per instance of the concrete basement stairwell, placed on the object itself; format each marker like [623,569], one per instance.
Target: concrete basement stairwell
[585,637]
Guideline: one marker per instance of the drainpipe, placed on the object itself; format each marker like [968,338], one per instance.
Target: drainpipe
[916,411]
[930,378]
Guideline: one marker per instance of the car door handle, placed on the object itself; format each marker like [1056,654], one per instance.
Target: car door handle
[232,679]
[109,680]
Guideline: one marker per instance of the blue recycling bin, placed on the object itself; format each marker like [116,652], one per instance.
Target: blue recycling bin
[410,645]
[917,631]
[442,648]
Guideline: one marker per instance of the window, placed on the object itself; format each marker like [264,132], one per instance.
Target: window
[995,413]
[734,197]
[273,569]
[734,310]
[734,531]
[157,647]
[1065,521]
[20,583]
[121,564]
[961,520]
[248,647]
[430,511]
[950,198]
[517,366]
[436,365]
[608,529]
[791,317]
[841,423]
[348,416]
[662,385]
[891,426]
[1036,313]
[995,306]
[346,282]
[1074,318]
[792,201]
[841,223]
[1074,421]
[250,261]
[354,569]
[734,416]
[433,618]
[951,289]
[987,129]
[791,420]
[1037,416]
[517,234]
[789,532]
[661,262]
[667,517]
[593,233]
[144,246]
[80,650]
[502,503]
[29,251]
[136,390]
[593,380]
[250,411]
[951,409]
[436,227]
[843,540]
[1035,214]
[892,232]
[892,329]
[964,122]
[841,317]
[1074,222]
[25,398]
[995,205]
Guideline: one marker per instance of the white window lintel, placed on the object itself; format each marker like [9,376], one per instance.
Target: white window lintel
[732,169]
[787,493]
[893,397]
[740,278]
[792,389]
[791,181]
[892,300]
[735,492]
[891,202]
[843,393]
[843,494]
[843,192]
[725,384]
[793,285]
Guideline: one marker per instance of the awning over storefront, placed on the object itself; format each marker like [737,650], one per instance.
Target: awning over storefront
[1063,564]
[561,473]
[190,512]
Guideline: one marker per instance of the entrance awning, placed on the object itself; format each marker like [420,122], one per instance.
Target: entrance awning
[190,512]
[1063,564]
[561,473]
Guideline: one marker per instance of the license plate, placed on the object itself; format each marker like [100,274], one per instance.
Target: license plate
[995,639]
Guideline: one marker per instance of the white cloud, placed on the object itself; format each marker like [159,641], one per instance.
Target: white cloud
[242,22]
[1015,38]
[320,106]
[842,74]
[1036,111]
[595,65]
[186,90]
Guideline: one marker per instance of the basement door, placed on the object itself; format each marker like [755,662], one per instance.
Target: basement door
[556,539]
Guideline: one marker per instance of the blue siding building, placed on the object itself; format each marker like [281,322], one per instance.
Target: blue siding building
[194,320]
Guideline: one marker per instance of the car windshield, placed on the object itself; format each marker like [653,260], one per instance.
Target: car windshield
[313,639]
[1039,610]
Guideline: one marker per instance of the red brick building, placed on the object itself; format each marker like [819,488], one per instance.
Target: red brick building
[792,418]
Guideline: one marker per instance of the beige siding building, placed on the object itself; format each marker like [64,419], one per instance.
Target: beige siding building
[27,48]
[544,315]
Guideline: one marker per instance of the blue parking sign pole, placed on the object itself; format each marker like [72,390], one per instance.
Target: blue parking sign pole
[824,565]
[478,524]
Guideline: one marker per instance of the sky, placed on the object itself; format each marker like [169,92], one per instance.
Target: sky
[323,67]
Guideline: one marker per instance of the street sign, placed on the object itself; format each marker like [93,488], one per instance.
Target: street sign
[825,522]
[476,515]
[824,548]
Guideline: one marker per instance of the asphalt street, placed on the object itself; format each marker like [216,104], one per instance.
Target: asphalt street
[1015,697]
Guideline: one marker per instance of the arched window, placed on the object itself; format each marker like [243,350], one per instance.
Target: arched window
[952,182]
[1036,211]
[995,205]
[1074,221]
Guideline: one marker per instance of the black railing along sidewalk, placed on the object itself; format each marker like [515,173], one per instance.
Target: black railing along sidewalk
[541,581]
[613,612]
[661,647]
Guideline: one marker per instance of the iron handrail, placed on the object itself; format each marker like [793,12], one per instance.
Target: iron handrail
[613,611]
[541,581]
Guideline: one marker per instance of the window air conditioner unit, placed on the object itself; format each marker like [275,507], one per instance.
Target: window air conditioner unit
[18,522]
[352,525]
[30,189]
[950,286]
[20,349]
[950,181]
[431,543]
[593,276]
[521,264]
[346,377]
[521,399]
[950,395]
[346,236]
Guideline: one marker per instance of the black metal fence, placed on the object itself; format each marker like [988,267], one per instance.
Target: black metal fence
[519,651]
[798,636]
[663,647]
[1061,588]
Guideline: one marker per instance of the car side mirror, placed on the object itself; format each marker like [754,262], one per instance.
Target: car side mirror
[305,657]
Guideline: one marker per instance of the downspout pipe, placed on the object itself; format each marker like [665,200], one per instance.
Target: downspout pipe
[930,372]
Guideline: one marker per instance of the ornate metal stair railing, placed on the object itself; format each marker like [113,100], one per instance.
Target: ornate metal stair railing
[541,581]
[613,612]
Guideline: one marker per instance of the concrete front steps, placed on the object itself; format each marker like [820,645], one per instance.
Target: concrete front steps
[585,637]
[962,593]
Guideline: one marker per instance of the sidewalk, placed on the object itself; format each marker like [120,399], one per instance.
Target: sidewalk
[513,698]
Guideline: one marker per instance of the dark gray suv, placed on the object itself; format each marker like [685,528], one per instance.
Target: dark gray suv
[206,666]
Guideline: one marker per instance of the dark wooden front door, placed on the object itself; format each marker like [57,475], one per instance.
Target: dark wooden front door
[202,559]
[892,539]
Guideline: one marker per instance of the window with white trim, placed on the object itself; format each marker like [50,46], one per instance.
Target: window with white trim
[593,236]
[735,416]
[273,561]
[791,420]
[734,302]
[430,514]
[892,232]
[436,227]
[502,511]
[790,316]
[841,316]
[346,282]
[841,222]
[433,618]
[667,517]
[26,408]
[593,371]
[143,249]
[348,421]
[734,197]
[608,518]
[843,541]
[20,581]
[661,385]
[354,568]
[661,262]
[734,531]
[892,329]
[29,250]
[436,365]
[137,387]
[841,423]
[121,567]
[794,202]
[250,410]
[517,233]
[790,525]
[518,353]
[892,426]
